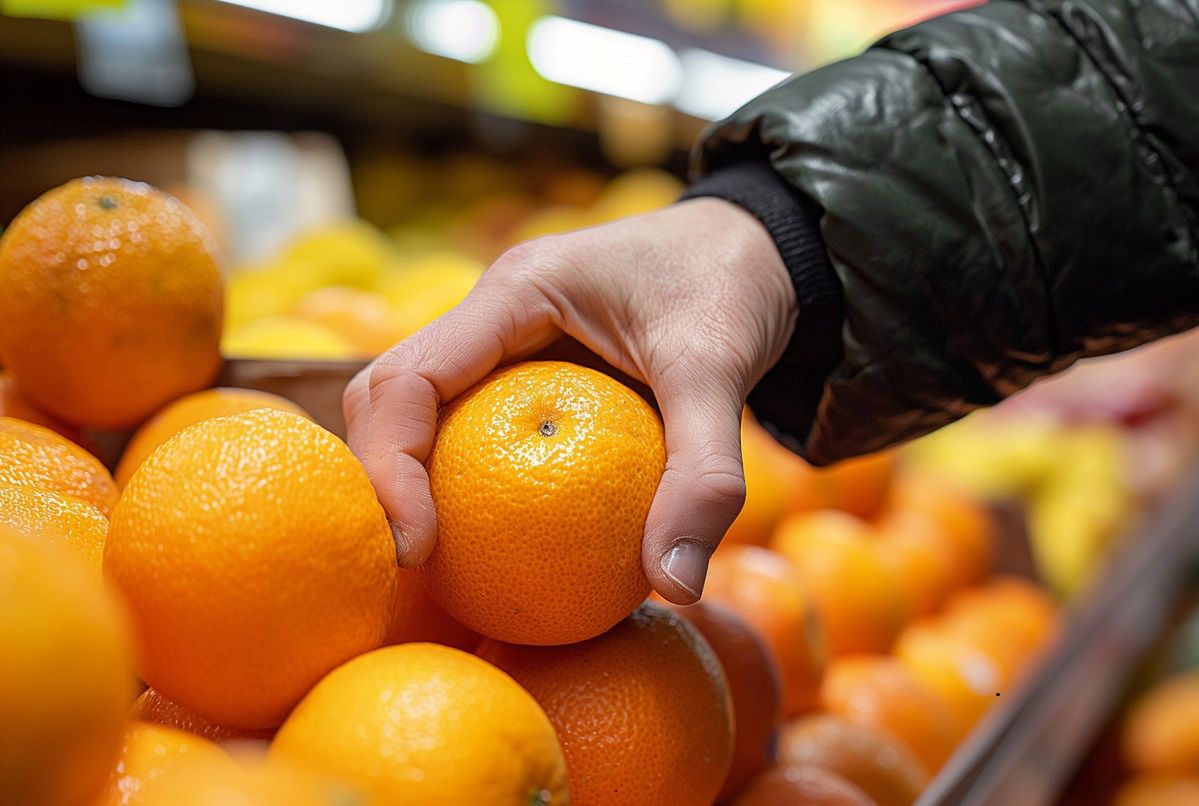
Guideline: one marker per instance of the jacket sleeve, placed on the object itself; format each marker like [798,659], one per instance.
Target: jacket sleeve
[999,192]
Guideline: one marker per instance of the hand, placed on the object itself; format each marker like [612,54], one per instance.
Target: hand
[692,300]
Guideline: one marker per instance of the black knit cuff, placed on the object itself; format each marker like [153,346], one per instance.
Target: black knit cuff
[787,399]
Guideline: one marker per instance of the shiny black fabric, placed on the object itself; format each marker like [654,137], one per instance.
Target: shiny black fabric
[1001,191]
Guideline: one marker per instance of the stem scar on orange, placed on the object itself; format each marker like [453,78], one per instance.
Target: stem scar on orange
[542,476]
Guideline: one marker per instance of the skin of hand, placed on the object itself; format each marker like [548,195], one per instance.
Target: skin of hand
[693,301]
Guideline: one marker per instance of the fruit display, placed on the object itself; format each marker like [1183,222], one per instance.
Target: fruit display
[854,630]
[349,290]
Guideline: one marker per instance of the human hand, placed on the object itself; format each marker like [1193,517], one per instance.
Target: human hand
[692,300]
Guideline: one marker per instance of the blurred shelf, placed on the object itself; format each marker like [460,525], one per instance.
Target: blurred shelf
[1025,751]
[254,69]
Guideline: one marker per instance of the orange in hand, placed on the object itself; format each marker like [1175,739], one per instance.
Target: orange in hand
[642,711]
[765,589]
[542,476]
[255,558]
[112,302]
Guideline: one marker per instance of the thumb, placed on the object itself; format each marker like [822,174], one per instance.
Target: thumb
[702,488]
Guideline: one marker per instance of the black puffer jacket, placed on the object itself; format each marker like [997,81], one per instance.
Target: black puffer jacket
[972,203]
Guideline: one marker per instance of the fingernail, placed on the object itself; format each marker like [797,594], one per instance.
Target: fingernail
[687,564]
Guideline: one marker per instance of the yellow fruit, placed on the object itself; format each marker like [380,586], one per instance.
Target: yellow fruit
[255,558]
[425,288]
[190,410]
[65,680]
[362,318]
[149,753]
[69,524]
[286,337]
[32,456]
[112,301]
[352,253]
[259,292]
[426,724]
[637,191]
[542,476]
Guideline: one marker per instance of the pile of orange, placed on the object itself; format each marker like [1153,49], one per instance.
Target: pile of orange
[871,587]
[241,566]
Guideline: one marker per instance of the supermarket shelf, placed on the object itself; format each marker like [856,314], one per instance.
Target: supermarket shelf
[1027,749]
[274,71]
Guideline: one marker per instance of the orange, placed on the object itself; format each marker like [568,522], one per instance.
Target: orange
[860,486]
[964,524]
[542,476]
[427,724]
[112,301]
[255,558]
[965,679]
[880,765]
[754,685]
[1008,620]
[642,711]
[13,404]
[249,782]
[189,410]
[811,786]
[860,597]
[878,692]
[1161,730]
[764,488]
[66,680]
[922,562]
[418,618]
[69,524]
[151,752]
[153,708]
[33,456]
[765,589]
[363,318]
[1176,789]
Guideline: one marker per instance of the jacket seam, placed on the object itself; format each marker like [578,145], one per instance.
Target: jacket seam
[1126,107]
[997,161]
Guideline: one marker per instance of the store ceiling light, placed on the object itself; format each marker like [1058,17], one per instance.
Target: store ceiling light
[715,86]
[604,60]
[356,16]
[465,30]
